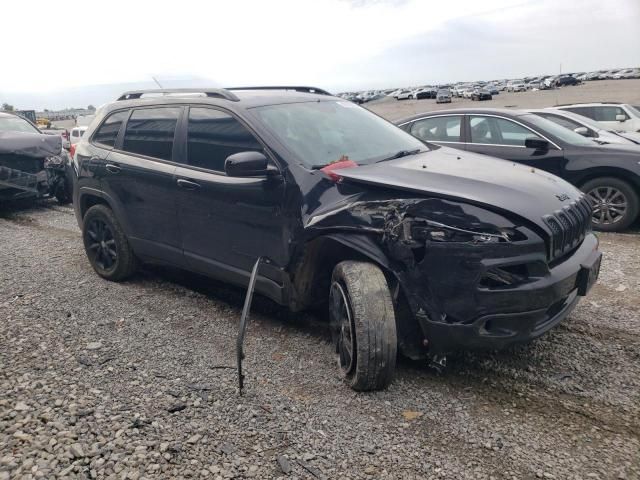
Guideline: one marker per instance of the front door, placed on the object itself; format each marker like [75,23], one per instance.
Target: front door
[503,138]
[613,118]
[227,222]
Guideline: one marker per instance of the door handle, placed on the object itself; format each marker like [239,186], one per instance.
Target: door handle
[188,184]
[112,168]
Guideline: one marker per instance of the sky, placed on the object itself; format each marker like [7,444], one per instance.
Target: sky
[68,54]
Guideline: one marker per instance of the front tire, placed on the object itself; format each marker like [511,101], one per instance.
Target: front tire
[363,325]
[106,244]
[615,203]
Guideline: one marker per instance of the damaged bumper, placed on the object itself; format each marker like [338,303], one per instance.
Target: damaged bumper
[494,316]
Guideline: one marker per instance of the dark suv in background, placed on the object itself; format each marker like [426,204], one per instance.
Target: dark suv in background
[411,246]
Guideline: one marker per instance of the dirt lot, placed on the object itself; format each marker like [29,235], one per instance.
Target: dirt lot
[132,380]
[625,91]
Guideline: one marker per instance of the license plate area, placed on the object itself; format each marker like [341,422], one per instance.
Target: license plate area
[588,275]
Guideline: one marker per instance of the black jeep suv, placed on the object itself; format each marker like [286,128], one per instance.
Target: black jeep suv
[414,247]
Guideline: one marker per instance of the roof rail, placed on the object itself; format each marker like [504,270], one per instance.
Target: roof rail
[303,89]
[209,92]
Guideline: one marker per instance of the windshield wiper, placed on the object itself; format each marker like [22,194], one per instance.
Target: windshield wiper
[400,154]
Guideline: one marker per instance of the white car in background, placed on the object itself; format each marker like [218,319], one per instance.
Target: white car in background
[76,134]
[586,127]
[516,86]
[620,117]
[404,94]
[627,73]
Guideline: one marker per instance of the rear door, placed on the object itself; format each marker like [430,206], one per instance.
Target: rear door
[226,222]
[138,175]
[505,138]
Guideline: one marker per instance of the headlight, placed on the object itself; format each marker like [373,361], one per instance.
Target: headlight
[439,232]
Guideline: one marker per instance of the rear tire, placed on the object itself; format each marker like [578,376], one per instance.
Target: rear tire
[106,244]
[363,325]
[615,202]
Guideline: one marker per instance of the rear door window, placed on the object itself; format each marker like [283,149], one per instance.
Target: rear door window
[107,133]
[213,135]
[438,129]
[150,132]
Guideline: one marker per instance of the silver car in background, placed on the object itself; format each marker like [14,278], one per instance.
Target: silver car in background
[443,96]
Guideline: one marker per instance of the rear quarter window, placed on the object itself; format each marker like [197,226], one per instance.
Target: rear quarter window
[443,129]
[107,133]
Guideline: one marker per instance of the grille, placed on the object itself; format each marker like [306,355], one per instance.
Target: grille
[568,226]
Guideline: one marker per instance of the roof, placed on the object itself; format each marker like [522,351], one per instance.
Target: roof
[592,104]
[462,111]
[246,97]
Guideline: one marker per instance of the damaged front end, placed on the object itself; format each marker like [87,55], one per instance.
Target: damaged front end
[33,165]
[463,276]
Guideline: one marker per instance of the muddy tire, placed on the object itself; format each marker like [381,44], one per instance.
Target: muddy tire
[106,244]
[363,325]
[615,203]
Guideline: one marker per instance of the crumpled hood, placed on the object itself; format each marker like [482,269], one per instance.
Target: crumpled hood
[36,145]
[497,184]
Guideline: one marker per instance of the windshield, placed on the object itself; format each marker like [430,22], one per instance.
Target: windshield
[320,133]
[581,119]
[635,110]
[564,134]
[16,124]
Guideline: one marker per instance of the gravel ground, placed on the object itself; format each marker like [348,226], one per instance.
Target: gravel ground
[133,380]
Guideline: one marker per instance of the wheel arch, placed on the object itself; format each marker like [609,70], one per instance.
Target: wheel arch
[611,172]
[311,281]
[88,197]
[311,275]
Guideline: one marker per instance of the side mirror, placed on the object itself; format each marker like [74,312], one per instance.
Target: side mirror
[537,144]
[620,117]
[584,131]
[248,164]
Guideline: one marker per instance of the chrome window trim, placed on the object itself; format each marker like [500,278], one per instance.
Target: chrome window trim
[483,115]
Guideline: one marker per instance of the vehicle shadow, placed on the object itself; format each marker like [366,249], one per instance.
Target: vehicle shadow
[13,207]
[313,322]
[460,364]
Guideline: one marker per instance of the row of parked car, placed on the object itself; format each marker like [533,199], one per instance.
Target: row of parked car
[484,90]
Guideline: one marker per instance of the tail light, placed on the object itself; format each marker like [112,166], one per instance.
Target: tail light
[72,150]
[330,170]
